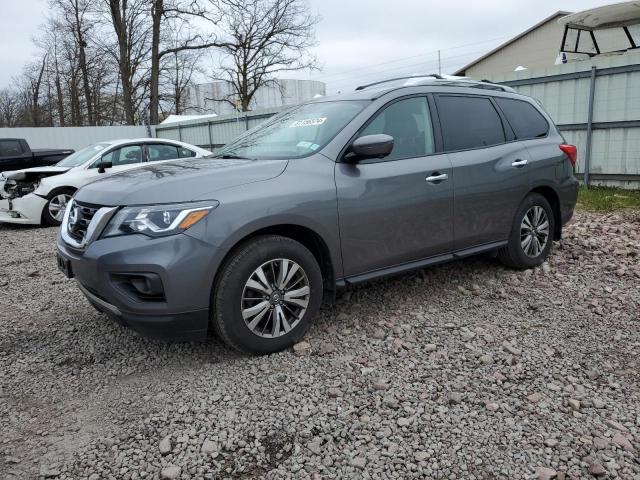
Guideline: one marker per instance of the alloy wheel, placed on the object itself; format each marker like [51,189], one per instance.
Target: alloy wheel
[57,206]
[534,231]
[275,298]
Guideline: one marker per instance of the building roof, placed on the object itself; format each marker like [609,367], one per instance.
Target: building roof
[559,13]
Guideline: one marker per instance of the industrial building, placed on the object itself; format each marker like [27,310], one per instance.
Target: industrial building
[218,97]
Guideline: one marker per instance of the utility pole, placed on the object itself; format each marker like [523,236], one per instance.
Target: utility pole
[439,64]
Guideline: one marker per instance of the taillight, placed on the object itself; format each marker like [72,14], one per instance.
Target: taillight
[571,151]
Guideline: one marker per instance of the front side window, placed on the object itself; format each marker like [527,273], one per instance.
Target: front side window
[469,122]
[527,122]
[409,123]
[296,133]
[127,155]
[160,151]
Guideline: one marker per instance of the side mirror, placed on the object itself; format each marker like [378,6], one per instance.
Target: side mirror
[370,146]
[102,166]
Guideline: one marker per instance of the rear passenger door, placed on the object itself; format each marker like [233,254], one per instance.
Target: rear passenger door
[489,168]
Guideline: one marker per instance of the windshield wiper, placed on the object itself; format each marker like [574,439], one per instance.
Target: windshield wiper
[232,156]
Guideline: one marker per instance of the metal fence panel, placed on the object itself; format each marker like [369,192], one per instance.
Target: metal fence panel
[72,137]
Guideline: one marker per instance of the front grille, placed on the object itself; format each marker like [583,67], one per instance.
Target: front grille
[80,217]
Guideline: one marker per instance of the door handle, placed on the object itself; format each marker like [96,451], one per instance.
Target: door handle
[437,178]
[519,163]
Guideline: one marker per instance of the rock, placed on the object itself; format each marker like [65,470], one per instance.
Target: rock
[623,442]
[379,334]
[421,456]
[545,473]
[49,471]
[467,335]
[598,403]
[597,470]
[551,442]
[535,397]
[574,404]
[326,348]
[315,446]
[209,447]
[302,348]
[455,398]
[342,317]
[334,392]
[170,472]
[486,359]
[600,443]
[380,385]
[165,445]
[403,422]
[492,406]
[430,347]
[616,425]
[507,347]
[358,462]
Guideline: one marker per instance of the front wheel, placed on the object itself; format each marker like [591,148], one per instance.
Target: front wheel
[56,205]
[531,234]
[267,295]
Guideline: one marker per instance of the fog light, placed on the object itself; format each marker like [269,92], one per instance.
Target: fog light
[142,286]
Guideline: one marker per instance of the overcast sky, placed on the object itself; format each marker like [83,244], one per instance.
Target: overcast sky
[357,39]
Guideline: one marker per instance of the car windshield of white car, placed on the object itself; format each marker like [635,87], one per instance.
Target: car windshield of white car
[81,156]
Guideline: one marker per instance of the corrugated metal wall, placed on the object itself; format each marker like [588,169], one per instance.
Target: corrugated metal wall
[564,92]
[213,134]
[73,137]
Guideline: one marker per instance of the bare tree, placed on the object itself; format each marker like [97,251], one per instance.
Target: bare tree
[261,38]
[130,22]
[174,17]
[9,108]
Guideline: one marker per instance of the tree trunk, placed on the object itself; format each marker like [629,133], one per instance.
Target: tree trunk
[120,27]
[83,64]
[157,10]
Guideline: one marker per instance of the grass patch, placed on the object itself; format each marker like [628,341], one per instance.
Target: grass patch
[605,199]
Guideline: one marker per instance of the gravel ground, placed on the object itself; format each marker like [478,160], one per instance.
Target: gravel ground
[466,370]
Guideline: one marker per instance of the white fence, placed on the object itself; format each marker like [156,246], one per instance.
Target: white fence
[596,105]
[73,137]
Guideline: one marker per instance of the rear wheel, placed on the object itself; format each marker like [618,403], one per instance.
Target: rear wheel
[531,234]
[56,205]
[267,295]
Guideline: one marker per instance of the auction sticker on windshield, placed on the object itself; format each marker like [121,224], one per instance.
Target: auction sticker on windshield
[308,122]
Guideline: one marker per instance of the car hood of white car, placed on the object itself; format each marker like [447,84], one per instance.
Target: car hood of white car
[53,170]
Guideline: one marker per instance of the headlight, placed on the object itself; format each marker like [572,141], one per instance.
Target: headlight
[158,220]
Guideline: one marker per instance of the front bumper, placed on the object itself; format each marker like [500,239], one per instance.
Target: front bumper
[185,265]
[25,210]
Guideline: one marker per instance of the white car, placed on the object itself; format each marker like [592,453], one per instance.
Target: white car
[39,195]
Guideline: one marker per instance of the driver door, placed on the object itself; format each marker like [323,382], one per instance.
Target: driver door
[398,209]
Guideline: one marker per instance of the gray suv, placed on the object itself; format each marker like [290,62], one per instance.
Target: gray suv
[328,194]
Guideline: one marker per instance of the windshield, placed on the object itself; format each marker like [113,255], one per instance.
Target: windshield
[296,133]
[81,156]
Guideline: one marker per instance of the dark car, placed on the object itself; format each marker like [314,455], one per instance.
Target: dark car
[326,195]
[15,154]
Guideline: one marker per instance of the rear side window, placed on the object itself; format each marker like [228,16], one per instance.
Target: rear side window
[161,151]
[10,148]
[469,122]
[527,122]
[186,153]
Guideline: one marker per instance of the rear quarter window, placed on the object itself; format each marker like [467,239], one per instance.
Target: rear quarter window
[469,122]
[525,119]
[10,148]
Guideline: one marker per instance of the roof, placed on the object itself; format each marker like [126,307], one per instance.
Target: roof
[559,13]
[622,14]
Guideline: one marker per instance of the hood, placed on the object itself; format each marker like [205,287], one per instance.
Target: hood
[177,181]
[39,172]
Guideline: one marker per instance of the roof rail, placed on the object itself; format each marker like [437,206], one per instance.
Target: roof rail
[434,75]
[444,81]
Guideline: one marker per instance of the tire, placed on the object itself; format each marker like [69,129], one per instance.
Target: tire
[254,319]
[520,254]
[49,213]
